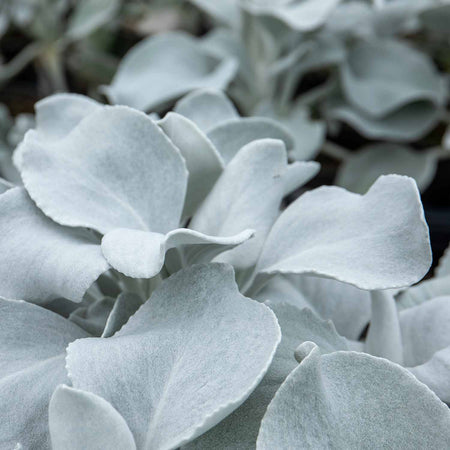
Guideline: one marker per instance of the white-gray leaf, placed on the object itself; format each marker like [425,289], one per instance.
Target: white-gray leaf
[199,349]
[161,68]
[41,260]
[33,345]
[207,108]
[230,136]
[353,400]
[203,161]
[376,241]
[362,168]
[115,169]
[80,420]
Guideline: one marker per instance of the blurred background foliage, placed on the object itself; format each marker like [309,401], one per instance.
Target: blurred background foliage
[362,85]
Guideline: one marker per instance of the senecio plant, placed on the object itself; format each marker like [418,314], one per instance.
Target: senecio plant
[378,67]
[156,294]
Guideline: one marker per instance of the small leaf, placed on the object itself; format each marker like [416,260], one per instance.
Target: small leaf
[80,420]
[207,108]
[230,136]
[141,254]
[203,161]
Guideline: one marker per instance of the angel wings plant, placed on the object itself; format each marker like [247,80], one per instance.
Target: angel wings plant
[141,267]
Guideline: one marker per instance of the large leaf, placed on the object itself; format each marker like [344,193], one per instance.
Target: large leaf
[115,169]
[375,241]
[381,76]
[203,161]
[80,420]
[33,344]
[190,356]
[161,68]
[247,195]
[240,429]
[206,108]
[362,168]
[352,401]
[41,260]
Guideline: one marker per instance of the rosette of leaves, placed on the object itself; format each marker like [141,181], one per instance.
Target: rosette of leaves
[130,259]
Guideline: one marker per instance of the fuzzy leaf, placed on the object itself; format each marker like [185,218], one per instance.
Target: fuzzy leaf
[81,420]
[247,195]
[353,400]
[240,429]
[141,254]
[116,169]
[34,343]
[376,241]
[54,262]
[200,348]
[346,306]
[203,161]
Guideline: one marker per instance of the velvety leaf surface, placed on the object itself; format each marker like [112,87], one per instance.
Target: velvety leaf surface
[56,262]
[376,241]
[80,420]
[115,169]
[203,161]
[33,342]
[348,307]
[141,254]
[199,347]
[247,195]
[353,400]
[161,68]
[225,11]
[240,429]
[299,173]
[229,137]
[207,108]
[58,114]
[425,330]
